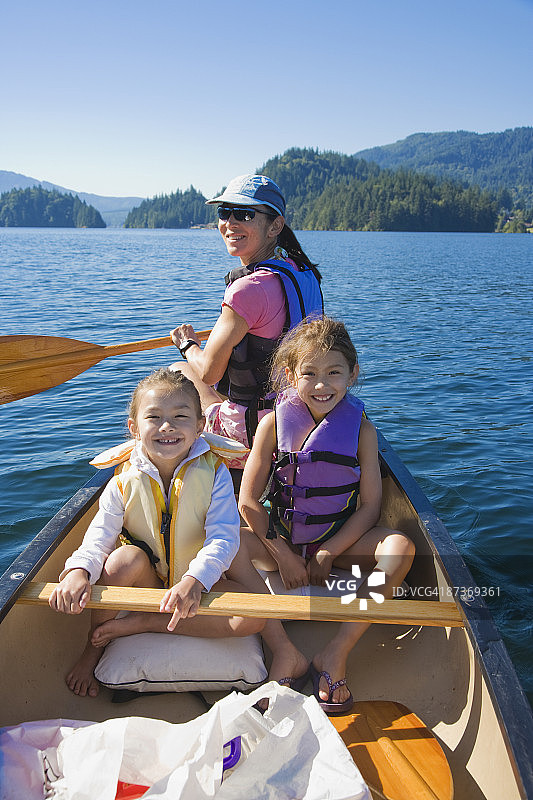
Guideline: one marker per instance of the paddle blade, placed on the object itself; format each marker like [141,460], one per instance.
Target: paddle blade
[32,364]
[24,348]
[396,753]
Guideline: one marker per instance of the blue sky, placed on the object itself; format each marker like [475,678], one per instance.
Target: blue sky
[122,97]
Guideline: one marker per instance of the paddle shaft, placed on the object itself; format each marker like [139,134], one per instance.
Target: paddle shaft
[323,609]
[93,354]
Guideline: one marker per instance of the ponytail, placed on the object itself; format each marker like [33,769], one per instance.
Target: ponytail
[288,242]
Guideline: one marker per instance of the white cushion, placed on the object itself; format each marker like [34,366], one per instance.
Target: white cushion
[152,662]
[160,662]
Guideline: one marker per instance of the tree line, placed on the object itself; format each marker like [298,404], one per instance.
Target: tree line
[177,210]
[36,207]
[331,191]
[492,161]
[327,191]
[402,201]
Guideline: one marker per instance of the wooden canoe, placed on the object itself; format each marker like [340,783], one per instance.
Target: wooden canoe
[458,680]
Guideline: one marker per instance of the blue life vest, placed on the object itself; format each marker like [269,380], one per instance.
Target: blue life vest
[246,378]
[316,473]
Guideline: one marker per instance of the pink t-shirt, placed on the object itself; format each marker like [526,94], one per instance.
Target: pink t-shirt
[258,298]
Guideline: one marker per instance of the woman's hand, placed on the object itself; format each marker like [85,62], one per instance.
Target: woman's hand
[319,567]
[293,570]
[72,593]
[183,332]
[182,600]
[210,362]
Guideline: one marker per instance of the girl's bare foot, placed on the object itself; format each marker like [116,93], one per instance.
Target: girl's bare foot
[334,663]
[80,679]
[134,622]
[287,662]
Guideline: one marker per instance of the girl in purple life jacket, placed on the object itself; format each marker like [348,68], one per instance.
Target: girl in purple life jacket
[325,494]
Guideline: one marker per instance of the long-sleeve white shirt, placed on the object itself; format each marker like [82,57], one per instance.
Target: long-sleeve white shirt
[221,524]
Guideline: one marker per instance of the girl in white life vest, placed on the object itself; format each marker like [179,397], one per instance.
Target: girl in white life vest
[172,498]
[325,495]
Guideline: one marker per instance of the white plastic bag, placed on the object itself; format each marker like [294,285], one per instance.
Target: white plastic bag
[292,751]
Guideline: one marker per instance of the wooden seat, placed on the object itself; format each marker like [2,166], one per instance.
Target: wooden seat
[396,753]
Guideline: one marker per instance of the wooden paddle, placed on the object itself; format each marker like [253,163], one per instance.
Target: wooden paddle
[224,604]
[32,364]
[396,753]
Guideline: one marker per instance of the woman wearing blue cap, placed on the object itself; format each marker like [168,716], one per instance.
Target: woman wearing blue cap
[275,287]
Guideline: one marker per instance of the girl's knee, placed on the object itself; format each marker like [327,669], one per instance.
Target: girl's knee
[247,626]
[406,545]
[403,546]
[125,563]
[397,543]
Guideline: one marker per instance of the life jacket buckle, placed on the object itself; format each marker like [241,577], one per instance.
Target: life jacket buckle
[290,513]
[292,491]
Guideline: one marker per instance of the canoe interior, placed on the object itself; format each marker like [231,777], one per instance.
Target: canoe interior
[439,673]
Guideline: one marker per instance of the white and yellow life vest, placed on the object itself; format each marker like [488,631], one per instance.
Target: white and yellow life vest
[177,543]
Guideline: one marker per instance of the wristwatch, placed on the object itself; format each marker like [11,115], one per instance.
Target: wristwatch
[184,347]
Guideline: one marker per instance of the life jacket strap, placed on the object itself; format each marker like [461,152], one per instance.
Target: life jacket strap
[291,491]
[166,519]
[299,457]
[251,419]
[315,519]
[127,538]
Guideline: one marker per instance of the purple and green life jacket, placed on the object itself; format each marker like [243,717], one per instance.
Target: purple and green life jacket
[316,474]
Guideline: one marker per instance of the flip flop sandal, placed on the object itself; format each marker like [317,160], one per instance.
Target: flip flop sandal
[327,706]
[297,684]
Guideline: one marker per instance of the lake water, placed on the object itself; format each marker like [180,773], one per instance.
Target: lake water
[443,325]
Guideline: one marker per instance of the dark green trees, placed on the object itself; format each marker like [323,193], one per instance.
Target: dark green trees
[37,208]
[332,191]
[328,191]
[402,201]
[178,210]
[488,160]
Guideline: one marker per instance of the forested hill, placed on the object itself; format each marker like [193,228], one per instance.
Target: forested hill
[493,161]
[113,209]
[303,174]
[37,208]
[428,182]
[330,191]
[178,210]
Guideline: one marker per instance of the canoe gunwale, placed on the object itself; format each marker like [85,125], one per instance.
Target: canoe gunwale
[29,562]
[511,706]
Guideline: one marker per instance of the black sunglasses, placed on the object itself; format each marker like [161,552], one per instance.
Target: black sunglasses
[241,214]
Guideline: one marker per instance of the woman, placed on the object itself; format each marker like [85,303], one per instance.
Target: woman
[275,287]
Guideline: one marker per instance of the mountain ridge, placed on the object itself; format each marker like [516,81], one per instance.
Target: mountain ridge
[493,161]
[114,210]
[501,163]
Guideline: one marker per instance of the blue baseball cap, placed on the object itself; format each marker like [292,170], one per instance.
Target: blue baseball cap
[252,190]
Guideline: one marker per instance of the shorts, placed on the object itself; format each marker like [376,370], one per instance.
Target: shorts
[307,551]
[227,419]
